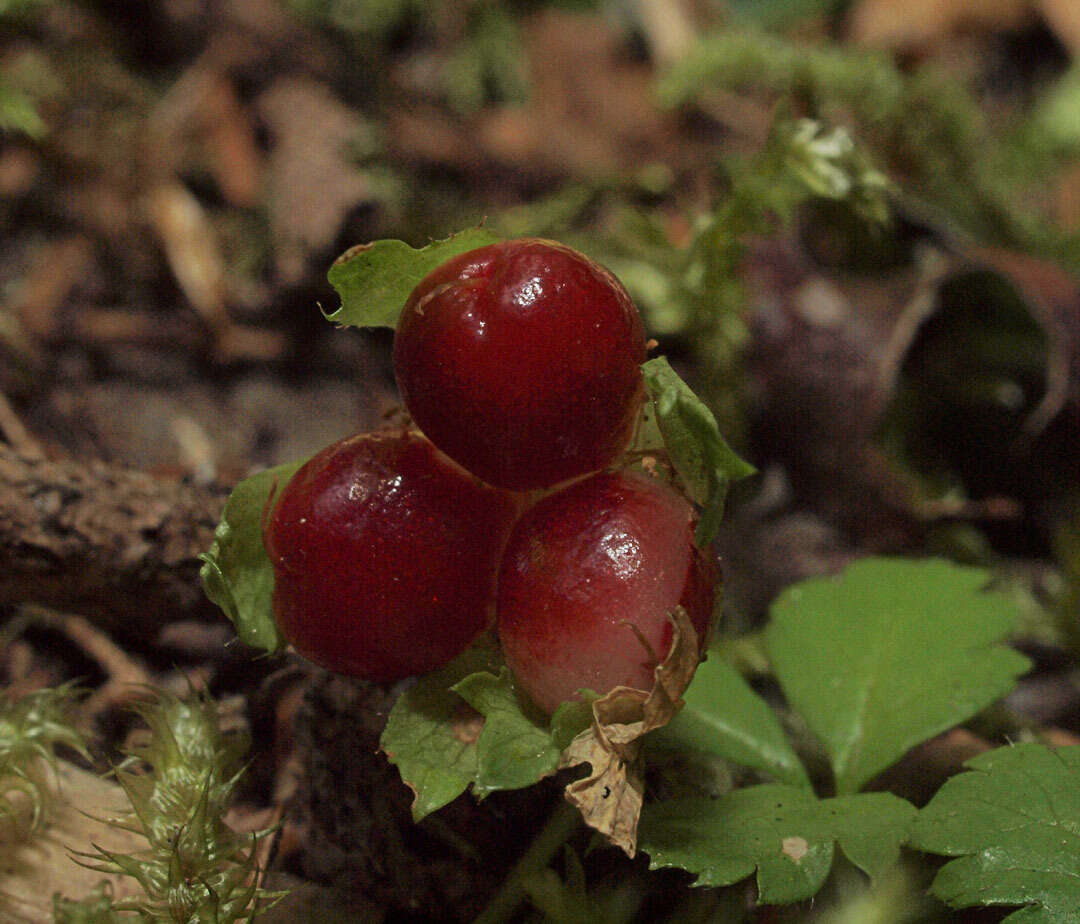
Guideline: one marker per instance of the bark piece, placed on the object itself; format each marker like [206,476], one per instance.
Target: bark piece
[113,544]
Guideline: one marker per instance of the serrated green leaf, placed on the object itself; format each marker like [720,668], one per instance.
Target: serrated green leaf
[375,280]
[236,572]
[1014,821]
[724,840]
[725,718]
[704,461]
[517,747]
[784,832]
[465,726]
[889,654]
[431,734]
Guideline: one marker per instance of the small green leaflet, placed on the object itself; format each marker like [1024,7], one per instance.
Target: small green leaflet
[465,726]
[704,461]
[236,572]
[784,832]
[431,733]
[725,718]
[515,749]
[1014,822]
[375,280]
[889,654]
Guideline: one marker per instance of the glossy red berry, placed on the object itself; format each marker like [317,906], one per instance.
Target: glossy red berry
[583,565]
[521,361]
[385,556]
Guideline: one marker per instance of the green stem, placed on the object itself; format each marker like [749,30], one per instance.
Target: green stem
[562,823]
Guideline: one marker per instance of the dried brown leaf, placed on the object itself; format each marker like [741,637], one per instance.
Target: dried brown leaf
[917,24]
[611,796]
[191,249]
[312,179]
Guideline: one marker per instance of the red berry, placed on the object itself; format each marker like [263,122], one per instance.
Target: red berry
[385,556]
[521,361]
[582,564]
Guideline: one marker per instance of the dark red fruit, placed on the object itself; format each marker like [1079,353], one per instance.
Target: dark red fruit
[385,556]
[581,567]
[520,360]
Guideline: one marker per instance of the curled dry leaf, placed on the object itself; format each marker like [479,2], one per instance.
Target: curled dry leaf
[611,796]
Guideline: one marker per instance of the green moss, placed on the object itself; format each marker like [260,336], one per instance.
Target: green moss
[31,727]
[195,870]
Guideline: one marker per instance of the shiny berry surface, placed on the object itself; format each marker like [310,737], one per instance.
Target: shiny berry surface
[520,360]
[385,556]
[582,564]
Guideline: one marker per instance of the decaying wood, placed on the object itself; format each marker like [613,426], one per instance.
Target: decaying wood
[116,545]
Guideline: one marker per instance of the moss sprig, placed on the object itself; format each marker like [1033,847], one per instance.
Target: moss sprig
[31,727]
[180,781]
[923,125]
[96,908]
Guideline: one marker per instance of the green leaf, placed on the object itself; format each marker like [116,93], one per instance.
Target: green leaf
[516,748]
[489,63]
[783,14]
[96,908]
[465,726]
[1014,822]
[889,654]
[784,832]
[725,718]
[375,280]
[704,461]
[571,718]
[236,572]
[18,113]
[431,734]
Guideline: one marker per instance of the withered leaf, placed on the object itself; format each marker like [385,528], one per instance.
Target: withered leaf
[611,796]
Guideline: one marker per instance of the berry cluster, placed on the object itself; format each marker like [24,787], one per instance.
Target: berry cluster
[520,364]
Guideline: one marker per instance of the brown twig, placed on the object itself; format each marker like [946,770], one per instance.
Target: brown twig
[126,679]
